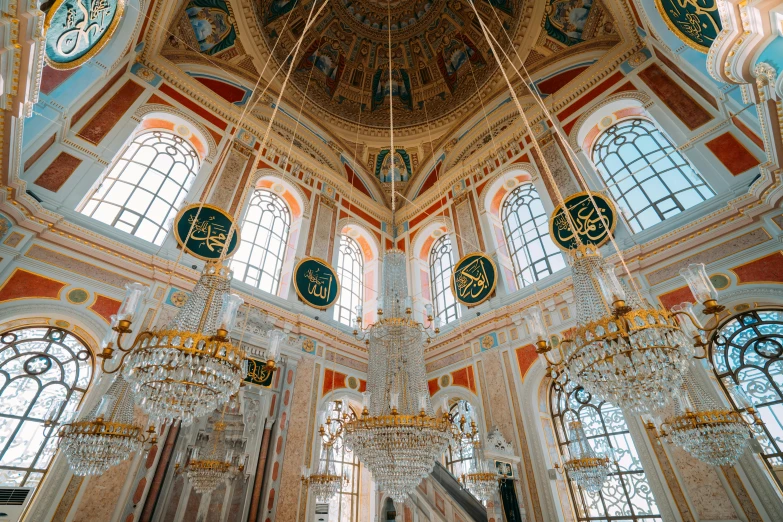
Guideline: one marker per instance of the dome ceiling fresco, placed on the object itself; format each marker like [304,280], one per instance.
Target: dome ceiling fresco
[439,55]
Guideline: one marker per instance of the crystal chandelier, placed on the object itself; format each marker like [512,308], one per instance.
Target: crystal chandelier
[480,480]
[206,472]
[623,350]
[189,367]
[398,436]
[325,483]
[107,435]
[712,433]
[586,467]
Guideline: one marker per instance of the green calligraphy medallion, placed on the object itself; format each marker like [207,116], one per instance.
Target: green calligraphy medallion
[316,283]
[203,230]
[594,224]
[474,279]
[695,22]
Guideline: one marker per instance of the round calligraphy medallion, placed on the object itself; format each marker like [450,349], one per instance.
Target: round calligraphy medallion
[37,364]
[474,279]
[203,230]
[594,223]
[696,23]
[77,30]
[316,283]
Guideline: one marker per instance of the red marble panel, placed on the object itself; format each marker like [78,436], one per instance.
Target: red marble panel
[682,104]
[747,132]
[151,456]
[286,397]
[589,96]
[193,106]
[58,172]
[272,405]
[52,78]
[139,490]
[767,269]
[464,377]
[98,95]
[270,504]
[230,93]
[675,297]
[557,82]
[279,445]
[433,386]
[431,180]
[290,377]
[27,285]
[129,518]
[689,81]
[431,211]
[40,152]
[733,154]
[110,114]
[333,381]
[356,182]
[362,386]
[526,356]
[105,306]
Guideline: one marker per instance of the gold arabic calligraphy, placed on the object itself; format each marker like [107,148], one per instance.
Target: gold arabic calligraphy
[320,284]
[695,18]
[472,280]
[210,234]
[76,36]
[257,372]
[588,223]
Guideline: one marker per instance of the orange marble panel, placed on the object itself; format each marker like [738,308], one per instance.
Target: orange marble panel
[675,297]
[433,386]
[526,356]
[682,104]
[333,381]
[767,269]
[464,377]
[733,154]
[110,114]
[105,306]
[58,172]
[27,285]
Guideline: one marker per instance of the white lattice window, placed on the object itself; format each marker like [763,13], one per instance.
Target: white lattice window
[142,192]
[350,269]
[441,267]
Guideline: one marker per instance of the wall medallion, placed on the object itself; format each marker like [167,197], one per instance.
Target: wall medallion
[474,279]
[593,225]
[77,30]
[316,283]
[204,233]
[258,374]
[695,22]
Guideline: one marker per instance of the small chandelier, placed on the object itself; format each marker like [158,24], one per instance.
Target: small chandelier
[189,367]
[624,350]
[206,472]
[325,483]
[586,467]
[398,436]
[107,436]
[480,480]
[712,433]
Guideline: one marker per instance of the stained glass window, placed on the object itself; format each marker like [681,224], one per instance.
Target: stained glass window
[458,456]
[526,226]
[645,174]
[626,495]
[259,258]
[441,266]
[749,350]
[39,367]
[344,506]
[350,269]
[142,192]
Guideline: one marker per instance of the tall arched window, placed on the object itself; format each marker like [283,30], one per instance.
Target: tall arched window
[626,495]
[350,268]
[40,367]
[142,192]
[344,506]
[526,226]
[259,259]
[645,174]
[458,457]
[441,265]
[749,350]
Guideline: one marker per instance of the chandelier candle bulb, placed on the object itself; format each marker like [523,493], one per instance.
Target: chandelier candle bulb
[701,287]
[228,311]
[134,293]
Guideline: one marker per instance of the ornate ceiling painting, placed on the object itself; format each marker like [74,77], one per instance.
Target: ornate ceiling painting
[440,61]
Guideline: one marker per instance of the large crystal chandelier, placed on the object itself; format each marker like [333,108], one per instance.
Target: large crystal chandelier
[190,367]
[586,467]
[623,350]
[398,436]
[712,433]
[106,436]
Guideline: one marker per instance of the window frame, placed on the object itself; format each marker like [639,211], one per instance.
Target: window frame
[338,458]
[113,176]
[445,305]
[676,200]
[465,451]
[345,314]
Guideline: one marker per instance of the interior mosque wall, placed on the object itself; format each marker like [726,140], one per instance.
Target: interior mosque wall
[62,130]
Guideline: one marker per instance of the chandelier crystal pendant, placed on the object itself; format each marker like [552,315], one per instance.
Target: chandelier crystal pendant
[623,350]
[325,483]
[398,436]
[190,367]
[206,472]
[106,436]
[480,479]
[586,467]
[709,431]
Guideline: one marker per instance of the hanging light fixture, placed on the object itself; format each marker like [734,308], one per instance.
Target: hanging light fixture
[189,367]
[711,432]
[325,483]
[623,350]
[586,467]
[480,479]
[106,436]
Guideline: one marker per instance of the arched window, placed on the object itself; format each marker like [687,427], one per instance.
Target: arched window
[40,367]
[526,226]
[344,506]
[441,265]
[749,350]
[350,268]
[458,458]
[259,259]
[626,495]
[142,192]
[645,174]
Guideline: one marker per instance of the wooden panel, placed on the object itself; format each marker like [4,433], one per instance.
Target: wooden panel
[732,153]
[110,114]
[674,97]
[58,172]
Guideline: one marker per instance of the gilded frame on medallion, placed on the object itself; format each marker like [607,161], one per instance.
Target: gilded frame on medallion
[564,208]
[219,210]
[494,283]
[331,269]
